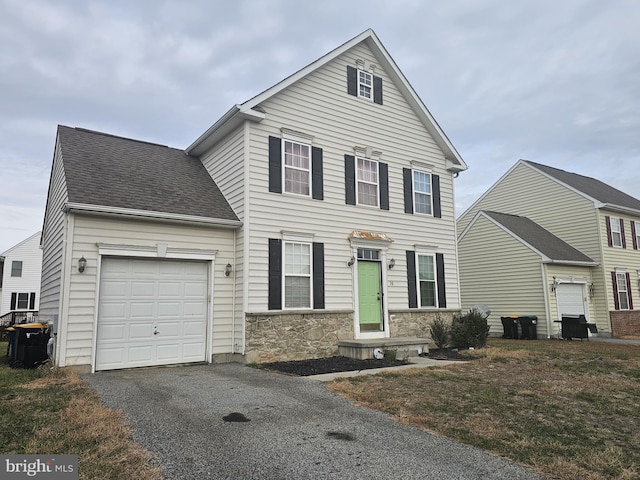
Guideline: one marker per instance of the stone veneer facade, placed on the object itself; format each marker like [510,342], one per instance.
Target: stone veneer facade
[302,335]
[625,322]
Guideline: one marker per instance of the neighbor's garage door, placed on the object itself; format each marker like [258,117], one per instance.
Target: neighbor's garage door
[570,299]
[151,312]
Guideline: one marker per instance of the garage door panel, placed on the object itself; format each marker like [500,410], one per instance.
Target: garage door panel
[138,295]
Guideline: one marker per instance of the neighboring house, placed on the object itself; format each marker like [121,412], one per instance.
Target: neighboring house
[331,218]
[20,277]
[546,242]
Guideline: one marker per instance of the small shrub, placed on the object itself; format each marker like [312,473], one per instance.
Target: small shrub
[469,330]
[390,355]
[439,331]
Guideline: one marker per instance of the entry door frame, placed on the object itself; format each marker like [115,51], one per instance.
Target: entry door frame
[382,246]
[582,281]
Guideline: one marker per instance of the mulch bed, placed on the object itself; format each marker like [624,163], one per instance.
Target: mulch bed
[317,366]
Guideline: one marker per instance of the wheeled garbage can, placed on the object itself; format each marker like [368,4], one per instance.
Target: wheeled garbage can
[28,345]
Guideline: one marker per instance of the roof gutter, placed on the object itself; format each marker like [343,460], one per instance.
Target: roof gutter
[618,208]
[104,210]
[571,262]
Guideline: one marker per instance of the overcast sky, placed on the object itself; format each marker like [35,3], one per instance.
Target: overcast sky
[556,82]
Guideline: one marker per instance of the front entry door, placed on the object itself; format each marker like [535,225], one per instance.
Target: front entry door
[369,296]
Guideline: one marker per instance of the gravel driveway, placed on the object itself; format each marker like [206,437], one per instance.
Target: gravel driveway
[293,428]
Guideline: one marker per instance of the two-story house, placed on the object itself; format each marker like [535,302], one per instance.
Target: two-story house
[320,211]
[546,242]
[20,268]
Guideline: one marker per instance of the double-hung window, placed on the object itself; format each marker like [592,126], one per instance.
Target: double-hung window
[297,275]
[367,181]
[636,234]
[365,85]
[422,197]
[16,268]
[616,232]
[23,301]
[622,291]
[427,280]
[297,168]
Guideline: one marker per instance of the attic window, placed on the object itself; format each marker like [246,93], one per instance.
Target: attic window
[365,85]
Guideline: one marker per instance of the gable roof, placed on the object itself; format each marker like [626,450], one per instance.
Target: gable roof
[551,248]
[6,253]
[239,113]
[126,176]
[590,187]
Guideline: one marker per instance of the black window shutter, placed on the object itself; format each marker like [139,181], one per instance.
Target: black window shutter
[32,301]
[377,90]
[624,241]
[350,179]
[14,299]
[383,170]
[442,293]
[317,189]
[352,80]
[609,237]
[629,290]
[318,275]
[616,299]
[634,237]
[407,179]
[275,274]
[411,279]
[435,188]
[275,164]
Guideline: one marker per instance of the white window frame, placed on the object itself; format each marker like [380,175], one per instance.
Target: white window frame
[416,192]
[285,274]
[637,228]
[435,279]
[26,303]
[15,272]
[617,230]
[364,84]
[294,168]
[621,291]
[376,183]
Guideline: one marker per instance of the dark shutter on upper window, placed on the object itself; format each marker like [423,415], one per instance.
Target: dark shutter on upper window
[14,300]
[32,301]
[350,179]
[383,170]
[442,293]
[624,241]
[275,164]
[607,220]
[377,90]
[318,275]
[275,274]
[616,298]
[352,80]
[317,189]
[634,237]
[407,180]
[629,290]
[435,188]
[411,279]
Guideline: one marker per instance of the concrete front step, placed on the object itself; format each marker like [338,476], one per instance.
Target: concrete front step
[364,348]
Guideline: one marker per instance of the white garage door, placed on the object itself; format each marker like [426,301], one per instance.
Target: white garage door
[570,299]
[151,312]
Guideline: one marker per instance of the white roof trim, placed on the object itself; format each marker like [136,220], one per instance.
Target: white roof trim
[456,164]
[162,216]
[4,254]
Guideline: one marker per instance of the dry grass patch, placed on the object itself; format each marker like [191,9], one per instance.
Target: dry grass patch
[569,410]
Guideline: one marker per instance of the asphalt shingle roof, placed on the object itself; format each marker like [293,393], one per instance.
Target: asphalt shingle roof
[106,170]
[539,238]
[590,186]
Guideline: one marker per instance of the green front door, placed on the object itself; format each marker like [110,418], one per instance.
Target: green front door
[369,296]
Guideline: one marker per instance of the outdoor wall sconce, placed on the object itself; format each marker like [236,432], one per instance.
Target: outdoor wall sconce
[351,261]
[82,264]
[392,263]
[592,290]
[227,270]
[554,285]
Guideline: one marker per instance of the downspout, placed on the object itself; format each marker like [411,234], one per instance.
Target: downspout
[546,299]
[233,298]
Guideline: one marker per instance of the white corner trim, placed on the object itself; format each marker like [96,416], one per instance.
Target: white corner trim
[153,251]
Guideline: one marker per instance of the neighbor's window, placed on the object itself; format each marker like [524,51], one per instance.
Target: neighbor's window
[23,301]
[365,85]
[623,294]
[297,168]
[637,229]
[427,280]
[616,232]
[367,180]
[297,275]
[16,268]
[422,192]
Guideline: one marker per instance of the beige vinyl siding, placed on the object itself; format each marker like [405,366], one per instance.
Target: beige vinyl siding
[318,105]
[82,294]
[501,273]
[53,238]
[29,253]
[614,258]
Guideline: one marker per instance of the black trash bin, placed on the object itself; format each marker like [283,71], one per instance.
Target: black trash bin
[574,326]
[29,345]
[528,327]
[510,326]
